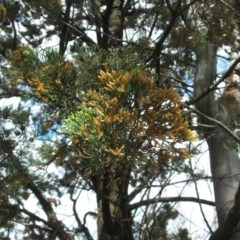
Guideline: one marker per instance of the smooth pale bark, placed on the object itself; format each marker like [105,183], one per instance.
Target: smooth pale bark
[224,232]
[224,159]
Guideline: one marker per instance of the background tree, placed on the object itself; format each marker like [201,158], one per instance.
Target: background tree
[110,116]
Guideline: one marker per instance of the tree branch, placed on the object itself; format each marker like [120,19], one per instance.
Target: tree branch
[198,197]
[226,229]
[81,226]
[155,55]
[47,208]
[170,199]
[218,123]
[35,217]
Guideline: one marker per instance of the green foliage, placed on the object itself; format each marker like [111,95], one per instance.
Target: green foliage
[49,75]
[15,157]
[127,116]
[80,124]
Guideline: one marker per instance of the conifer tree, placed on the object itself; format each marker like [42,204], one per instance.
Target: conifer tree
[111,116]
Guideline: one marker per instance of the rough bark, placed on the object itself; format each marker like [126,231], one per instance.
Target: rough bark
[114,216]
[224,158]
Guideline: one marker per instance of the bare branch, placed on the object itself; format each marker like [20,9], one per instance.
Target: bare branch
[35,217]
[52,219]
[81,226]
[170,199]
[216,122]
[198,196]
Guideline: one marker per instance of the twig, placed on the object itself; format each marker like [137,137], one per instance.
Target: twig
[218,123]
[198,197]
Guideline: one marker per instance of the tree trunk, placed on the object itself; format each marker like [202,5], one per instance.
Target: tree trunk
[112,25]
[114,216]
[224,159]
